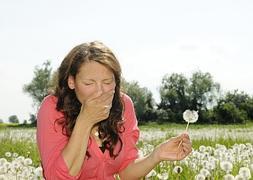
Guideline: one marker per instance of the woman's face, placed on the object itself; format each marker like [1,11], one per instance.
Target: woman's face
[92,77]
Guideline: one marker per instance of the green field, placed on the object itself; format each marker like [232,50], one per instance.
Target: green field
[212,144]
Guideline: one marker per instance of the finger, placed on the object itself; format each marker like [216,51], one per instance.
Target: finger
[94,95]
[178,138]
[107,96]
[99,96]
[186,146]
[185,135]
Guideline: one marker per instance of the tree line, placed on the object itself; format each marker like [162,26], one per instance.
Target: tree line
[177,93]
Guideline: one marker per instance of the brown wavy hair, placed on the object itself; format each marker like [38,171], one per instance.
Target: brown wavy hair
[70,106]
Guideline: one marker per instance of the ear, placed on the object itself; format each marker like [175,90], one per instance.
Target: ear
[71,82]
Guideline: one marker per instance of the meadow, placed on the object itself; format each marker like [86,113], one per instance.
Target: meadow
[219,152]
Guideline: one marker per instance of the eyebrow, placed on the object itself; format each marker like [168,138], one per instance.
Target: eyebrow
[102,79]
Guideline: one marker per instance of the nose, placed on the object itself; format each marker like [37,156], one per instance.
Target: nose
[100,88]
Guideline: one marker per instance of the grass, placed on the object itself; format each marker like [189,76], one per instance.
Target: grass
[28,148]
[194,126]
[23,148]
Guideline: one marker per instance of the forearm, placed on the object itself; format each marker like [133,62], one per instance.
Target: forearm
[75,150]
[140,167]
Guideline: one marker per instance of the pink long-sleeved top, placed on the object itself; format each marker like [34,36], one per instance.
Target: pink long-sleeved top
[99,165]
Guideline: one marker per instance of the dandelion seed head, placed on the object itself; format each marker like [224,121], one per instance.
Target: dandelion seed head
[2,161]
[226,166]
[205,172]
[8,154]
[245,172]
[177,169]
[239,177]
[28,162]
[229,177]
[200,177]
[190,116]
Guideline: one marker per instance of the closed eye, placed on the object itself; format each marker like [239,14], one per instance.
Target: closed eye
[88,84]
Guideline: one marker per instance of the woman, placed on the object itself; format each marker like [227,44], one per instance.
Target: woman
[88,128]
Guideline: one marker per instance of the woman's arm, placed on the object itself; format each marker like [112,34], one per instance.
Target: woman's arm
[166,151]
[75,150]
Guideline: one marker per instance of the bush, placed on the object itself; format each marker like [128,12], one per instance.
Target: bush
[227,113]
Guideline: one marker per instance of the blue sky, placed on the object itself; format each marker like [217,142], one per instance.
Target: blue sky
[150,39]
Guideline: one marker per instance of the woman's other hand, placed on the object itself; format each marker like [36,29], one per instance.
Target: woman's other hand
[170,150]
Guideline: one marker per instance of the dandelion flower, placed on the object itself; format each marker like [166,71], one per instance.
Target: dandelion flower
[2,161]
[8,154]
[226,166]
[200,177]
[38,171]
[202,148]
[239,177]
[163,176]
[151,173]
[190,116]
[245,172]
[178,169]
[3,177]
[15,155]
[205,172]
[229,177]
[3,170]
[28,162]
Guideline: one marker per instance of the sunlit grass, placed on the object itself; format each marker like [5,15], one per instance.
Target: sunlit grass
[18,140]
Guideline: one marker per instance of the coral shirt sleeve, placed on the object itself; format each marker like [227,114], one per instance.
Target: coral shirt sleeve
[51,141]
[131,134]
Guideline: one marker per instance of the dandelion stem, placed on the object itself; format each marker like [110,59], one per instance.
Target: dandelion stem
[186,129]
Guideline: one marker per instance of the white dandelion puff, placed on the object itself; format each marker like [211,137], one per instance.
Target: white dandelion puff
[8,154]
[15,155]
[28,162]
[239,177]
[200,177]
[38,172]
[151,173]
[190,116]
[226,166]
[163,176]
[205,172]
[177,169]
[245,172]
[229,177]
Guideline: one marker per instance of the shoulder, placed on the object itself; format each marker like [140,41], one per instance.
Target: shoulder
[129,113]
[48,107]
[126,100]
[49,100]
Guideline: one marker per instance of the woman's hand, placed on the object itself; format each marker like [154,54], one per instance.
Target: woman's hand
[97,107]
[170,150]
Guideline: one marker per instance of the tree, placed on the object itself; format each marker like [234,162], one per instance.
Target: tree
[203,94]
[174,98]
[33,119]
[227,112]
[179,93]
[142,99]
[173,92]
[236,104]
[203,91]
[13,119]
[38,88]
